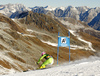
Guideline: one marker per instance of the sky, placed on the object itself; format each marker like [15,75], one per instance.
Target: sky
[54,3]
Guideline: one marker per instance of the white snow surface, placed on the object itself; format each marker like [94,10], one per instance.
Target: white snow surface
[84,67]
[49,43]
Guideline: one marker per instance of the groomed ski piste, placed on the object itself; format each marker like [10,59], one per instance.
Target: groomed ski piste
[84,67]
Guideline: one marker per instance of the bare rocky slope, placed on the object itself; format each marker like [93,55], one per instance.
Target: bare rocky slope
[22,41]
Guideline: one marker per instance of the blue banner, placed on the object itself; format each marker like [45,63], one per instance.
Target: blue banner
[63,41]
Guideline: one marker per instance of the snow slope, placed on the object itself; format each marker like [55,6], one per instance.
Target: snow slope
[84,67]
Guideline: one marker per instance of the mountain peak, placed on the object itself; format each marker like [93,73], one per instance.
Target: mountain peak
[49,8]
[8,9]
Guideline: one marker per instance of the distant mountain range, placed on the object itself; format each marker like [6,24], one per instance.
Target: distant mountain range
[84,13]
[9,9]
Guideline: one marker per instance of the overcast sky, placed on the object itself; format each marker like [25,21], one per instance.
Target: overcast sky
[54,3]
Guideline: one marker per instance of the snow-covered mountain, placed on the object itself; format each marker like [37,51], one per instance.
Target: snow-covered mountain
[49,8]
[9,9]
[82,13]
[95,23]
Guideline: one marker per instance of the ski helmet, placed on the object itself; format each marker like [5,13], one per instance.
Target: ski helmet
[43,53]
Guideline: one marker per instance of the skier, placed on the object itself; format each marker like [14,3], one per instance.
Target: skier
[49,60]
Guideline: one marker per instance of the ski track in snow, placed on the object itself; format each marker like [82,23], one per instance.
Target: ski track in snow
[89,43]
[84,67]
[74,47]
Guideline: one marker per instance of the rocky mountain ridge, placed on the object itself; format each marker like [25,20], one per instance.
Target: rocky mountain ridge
[82,13]
[9,9]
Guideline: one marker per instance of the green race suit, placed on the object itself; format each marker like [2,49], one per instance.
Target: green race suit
[49,60]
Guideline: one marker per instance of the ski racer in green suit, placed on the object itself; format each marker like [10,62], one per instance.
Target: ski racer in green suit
[49,60]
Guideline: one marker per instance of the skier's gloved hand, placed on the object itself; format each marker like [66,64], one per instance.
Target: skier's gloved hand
[37,62]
